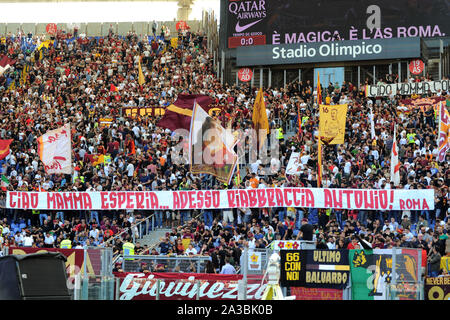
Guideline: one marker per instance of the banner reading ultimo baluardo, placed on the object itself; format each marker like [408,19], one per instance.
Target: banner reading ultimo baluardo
[221,199]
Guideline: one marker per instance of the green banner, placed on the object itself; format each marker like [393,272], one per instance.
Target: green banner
[371,272]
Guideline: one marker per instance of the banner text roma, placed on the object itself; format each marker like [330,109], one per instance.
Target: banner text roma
[369,199]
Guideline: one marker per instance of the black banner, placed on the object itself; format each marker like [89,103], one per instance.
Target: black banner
[259,22]
[437,288]
[314,268]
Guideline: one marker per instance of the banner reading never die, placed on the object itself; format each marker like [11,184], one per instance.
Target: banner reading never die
[369,199]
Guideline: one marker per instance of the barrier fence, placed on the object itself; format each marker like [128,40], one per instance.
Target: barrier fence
[163,263]
[306,272]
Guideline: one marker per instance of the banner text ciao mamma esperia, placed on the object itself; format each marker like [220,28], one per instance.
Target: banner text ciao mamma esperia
[370,199]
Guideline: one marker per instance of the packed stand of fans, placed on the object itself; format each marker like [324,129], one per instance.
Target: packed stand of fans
[73,82]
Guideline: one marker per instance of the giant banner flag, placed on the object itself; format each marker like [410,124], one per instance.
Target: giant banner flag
[211,147]
[293,167]
[369,199]
[444,132]
[178,115]
[332,123]
[55,150]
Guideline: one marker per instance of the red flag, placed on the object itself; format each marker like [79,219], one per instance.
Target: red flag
[5,63]
[319,164]
[319,90]
[113,88]
[4,148]
[299,120]
[178,115]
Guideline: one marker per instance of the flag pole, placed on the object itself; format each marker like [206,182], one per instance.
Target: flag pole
[319,164]
[319,157]
[438,129]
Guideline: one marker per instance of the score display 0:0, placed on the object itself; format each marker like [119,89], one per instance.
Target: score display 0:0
[234,42]
[246,41]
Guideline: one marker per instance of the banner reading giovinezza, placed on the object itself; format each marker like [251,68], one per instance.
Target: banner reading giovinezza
[357,50]
[260,22]
[186,286]
[370,199]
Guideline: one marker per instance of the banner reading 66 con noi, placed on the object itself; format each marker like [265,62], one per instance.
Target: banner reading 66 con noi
[220,199]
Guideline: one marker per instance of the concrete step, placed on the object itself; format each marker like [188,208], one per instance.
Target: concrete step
[153,238]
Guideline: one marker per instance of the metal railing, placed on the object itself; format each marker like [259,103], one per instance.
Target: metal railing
[163,263]
[139,227]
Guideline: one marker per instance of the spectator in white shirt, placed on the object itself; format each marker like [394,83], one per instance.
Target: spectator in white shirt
[28,240]
[331,244]
[191,250]
[49,240]
[94,233]
[228,268]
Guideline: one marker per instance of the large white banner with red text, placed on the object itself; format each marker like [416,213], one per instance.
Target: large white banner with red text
[55,150]
[422,199]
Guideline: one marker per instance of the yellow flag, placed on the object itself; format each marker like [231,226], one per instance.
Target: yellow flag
[259,118]
[12,86]
[332,120]
[45,43]
[186,242]
[174,43]
[100,159]
[23,78]
[141,79]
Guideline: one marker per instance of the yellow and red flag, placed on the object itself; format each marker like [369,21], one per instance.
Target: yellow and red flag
[259,118]
[444,131]
[4,148]
[319,90]
[141,79]
[395,164]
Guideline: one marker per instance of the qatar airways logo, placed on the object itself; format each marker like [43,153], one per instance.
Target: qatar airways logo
[246,12]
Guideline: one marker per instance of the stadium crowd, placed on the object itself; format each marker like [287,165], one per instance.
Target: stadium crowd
[82,80]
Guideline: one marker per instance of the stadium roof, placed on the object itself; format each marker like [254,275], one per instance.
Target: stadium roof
[34,11]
